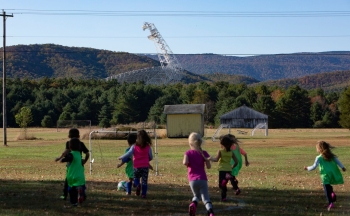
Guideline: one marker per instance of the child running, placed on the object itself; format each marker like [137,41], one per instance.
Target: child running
[329,171]
[73,133]
[142,154]
[238,151]
[129,169]
[75,173]
[225,168]
[195,159]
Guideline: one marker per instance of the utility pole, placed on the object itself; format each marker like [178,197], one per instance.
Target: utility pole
[4,118]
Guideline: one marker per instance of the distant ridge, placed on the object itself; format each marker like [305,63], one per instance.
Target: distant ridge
[330,82]
[267,67]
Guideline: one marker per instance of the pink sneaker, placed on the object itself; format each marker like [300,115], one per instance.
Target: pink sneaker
[330,206]
[211,214]
[334,197]
[223,200]
[192,209]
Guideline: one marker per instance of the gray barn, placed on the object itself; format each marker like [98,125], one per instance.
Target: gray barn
[243,117]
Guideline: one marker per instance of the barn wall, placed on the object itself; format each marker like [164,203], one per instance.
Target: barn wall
[181,125]
[242,123]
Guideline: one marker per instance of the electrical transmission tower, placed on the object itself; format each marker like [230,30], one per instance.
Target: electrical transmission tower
[166,57]
[170,70]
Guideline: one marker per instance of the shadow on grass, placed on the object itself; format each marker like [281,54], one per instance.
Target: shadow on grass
[42,198]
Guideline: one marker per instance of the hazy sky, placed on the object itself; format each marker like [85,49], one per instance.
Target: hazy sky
[248,27]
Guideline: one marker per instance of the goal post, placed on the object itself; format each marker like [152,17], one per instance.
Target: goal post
[260,126]
[150,131]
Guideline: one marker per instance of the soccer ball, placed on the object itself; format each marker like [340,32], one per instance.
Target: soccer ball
[122,186]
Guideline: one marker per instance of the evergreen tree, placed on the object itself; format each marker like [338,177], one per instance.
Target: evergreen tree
[344,108]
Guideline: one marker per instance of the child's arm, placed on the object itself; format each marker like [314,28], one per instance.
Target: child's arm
[339,164]
[185,160]
[208,164]
[310,168]
[67,158]
[244,153]
[127,155]
[235,160]
[150,155]
[216,159]
[246,159]
[64,153]
[120,164]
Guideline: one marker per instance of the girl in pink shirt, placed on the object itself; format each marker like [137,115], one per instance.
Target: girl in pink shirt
[142,155]
[196,159]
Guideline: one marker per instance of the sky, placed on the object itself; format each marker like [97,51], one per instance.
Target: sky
[227,27]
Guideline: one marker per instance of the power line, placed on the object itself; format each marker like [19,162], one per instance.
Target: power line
[209,36]
[184,13]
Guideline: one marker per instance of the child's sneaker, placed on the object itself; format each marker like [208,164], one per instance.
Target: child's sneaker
[63,197]
[238,191]
[331,205]
[192,209]
[143,196]
[223,200]
[334,197]
[138,190]
[210,212]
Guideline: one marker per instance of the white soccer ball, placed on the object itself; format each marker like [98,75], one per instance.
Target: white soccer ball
[122,186]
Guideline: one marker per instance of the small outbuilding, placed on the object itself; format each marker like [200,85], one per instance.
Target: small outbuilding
[243,117]
[183,119]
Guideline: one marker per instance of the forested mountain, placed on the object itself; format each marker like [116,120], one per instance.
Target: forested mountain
[49,60]
[329,82]
[266,67]
[56,61]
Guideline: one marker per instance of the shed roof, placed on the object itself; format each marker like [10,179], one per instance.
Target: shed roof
[184,109]
[244,112]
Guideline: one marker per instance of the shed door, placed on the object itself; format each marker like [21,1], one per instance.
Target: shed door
[181,125]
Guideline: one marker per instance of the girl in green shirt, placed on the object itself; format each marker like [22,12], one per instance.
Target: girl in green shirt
[330,174]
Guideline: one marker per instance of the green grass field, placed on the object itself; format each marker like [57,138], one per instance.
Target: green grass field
[274,183]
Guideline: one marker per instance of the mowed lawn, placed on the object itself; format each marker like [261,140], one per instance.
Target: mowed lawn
[274,183]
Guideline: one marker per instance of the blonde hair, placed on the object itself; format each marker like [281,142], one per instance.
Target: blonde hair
[195,140]
[325,150]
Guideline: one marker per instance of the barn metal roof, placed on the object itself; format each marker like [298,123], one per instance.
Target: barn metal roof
[184,109]
[244,112]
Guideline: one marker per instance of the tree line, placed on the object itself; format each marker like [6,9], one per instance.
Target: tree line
[108,103]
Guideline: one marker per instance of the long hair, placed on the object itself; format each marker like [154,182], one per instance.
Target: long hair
[195,140]
[325,150]
[143,139]
[234,139]
[227,142]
